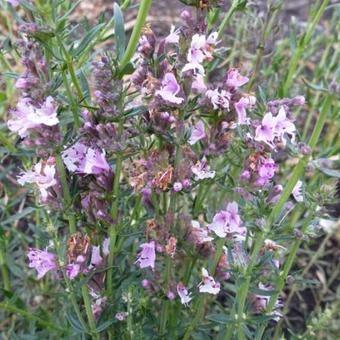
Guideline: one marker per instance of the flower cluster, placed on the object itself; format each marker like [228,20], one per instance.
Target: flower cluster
[148,151]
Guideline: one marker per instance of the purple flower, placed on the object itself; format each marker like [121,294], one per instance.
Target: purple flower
[173,37]
[198,234]
[219,99]
[234,79]
[197,133]
[170,295]
[266,131]
[26,81]
[42,175]
[284,125]
[72,270]
[14,3]
[98,305]
[96,259]
[95,162]
[208,284]
[147,256]
[27,116]
[183,293]
[275,127]
[227,222]
[106,246]
[200,49]
[297,192]
[198,84]
[82,159]
[201,170]
[121,316]
[266,171]
[41,260]
[169,89]
[178,186]
[196,54]
[241,106]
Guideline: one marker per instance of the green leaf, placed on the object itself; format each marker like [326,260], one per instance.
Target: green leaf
[75,323]
[89,37]
[119,31]
[326,166]
[105,325]
[219,318]
[315,87]
[128,69]
[18,216]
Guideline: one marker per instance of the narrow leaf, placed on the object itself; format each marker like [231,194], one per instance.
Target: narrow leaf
[119,31]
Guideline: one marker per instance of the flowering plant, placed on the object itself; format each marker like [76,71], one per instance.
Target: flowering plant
[163,190]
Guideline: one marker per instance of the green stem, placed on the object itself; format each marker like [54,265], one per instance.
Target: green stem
[70,67]
[304,41]
[267,30]
[199,308]
[226,18]
[202,299]
[133,42]
[88,309]
[165,307]
[282,278]
[4,268]
[242,292]
[113,228]
[129,321]
[74,104]
[66,193]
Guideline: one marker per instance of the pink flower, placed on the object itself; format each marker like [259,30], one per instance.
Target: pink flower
[96,259]
[14,3]
[267,169]
[27,116]
[42,175]
[183,293]
[173,37]
[208,284]
[241,106]
[275,127]
[266,131]
[201,170]
[41,260]
[82,159]
[284,125]
[147,256]
[197,133]
[297,192]
[106,246]
[121,316]
[26,81]
[95,162]
[227,222]
[178,186]
[196,55]
[72,270]
[261,302]
[219,99]
[98,306]
[199,234]
[198,84]
[169,89]
[200,49]
[234,79]
[170,295]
